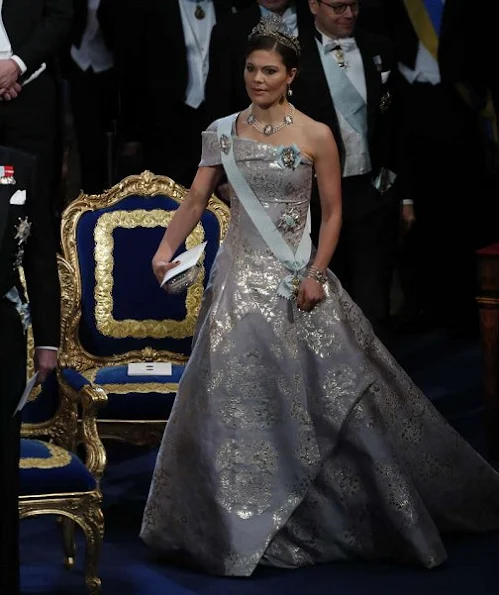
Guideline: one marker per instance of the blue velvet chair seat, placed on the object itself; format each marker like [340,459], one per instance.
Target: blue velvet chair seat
[130,397]
[49,469]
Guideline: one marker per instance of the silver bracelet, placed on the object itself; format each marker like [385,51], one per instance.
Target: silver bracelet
[317,274]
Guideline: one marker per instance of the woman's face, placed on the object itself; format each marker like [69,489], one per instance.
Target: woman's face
[266,77]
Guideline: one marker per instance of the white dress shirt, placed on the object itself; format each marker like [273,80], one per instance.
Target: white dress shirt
[288,16]
[7,54]
[92,52]
[197,33]
[357,159]
[426,68]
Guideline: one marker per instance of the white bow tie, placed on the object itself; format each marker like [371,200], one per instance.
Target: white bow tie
[347,44]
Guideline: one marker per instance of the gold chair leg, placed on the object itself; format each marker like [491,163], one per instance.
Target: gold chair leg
[68,537]
[93,527]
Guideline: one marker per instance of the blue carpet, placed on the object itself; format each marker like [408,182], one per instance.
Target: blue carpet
[449,371]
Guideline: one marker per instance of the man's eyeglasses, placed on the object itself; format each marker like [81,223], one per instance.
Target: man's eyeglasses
[340,7]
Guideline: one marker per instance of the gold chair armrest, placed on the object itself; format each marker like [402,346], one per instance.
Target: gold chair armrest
[92,398]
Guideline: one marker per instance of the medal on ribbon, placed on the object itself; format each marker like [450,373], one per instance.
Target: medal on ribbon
[7,174]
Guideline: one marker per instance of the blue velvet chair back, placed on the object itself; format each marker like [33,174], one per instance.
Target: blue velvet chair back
[120,312]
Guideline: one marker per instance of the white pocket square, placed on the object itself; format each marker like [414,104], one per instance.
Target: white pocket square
[18,198]
[384,76]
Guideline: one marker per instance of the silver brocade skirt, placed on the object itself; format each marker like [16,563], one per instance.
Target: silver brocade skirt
[297,439]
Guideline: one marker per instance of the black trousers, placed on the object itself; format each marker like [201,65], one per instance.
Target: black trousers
[365,256]
[12,381]
[94,99]
[444,162]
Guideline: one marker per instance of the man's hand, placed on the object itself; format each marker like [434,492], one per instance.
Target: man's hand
[9,73]
[11,93]
[45,363]
[408,217]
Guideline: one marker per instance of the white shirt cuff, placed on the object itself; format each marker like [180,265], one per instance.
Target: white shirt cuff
[407,201]
[20,63]
[50,348]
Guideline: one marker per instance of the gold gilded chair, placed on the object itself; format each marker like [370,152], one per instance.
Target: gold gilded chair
[53,479]
[120,315]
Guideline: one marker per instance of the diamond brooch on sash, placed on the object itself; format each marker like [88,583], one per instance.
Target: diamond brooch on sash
[289,157]
[225,143]
[289,219]
[339,54]
[23,229]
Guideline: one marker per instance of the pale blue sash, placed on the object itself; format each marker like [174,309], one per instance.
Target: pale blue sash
[22,309]
[347,100]
[295,262]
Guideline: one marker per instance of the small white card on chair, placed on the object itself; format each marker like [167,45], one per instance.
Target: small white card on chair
[150,369]
[187,259]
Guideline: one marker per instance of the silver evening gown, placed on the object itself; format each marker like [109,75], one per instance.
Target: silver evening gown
[295,437]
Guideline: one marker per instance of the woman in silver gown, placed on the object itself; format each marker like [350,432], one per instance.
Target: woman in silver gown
[295,437]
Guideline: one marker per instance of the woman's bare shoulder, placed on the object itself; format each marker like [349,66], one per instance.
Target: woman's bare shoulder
[315,131]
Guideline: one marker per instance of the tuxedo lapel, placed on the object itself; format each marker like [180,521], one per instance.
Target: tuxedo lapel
[253,15]
[5,194]
[175,27]
[320,102]
[372,77]
[222,9]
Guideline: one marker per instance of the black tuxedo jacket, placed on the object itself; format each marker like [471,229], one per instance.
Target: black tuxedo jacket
[39,261]
[225,90]
[463,54]
[37,29]
[109,14]
[312,96]
[153,63]
[453,51]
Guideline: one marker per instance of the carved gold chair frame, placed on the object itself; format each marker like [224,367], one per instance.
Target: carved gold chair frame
[82,508]
[73,354]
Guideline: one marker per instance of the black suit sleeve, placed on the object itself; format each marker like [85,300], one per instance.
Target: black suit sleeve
[110,14]
[49,35]
[219,84]
[40,267]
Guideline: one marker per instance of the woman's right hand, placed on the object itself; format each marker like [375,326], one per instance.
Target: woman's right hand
[160,267]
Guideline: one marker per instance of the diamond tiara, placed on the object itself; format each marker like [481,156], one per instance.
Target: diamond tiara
[273,26]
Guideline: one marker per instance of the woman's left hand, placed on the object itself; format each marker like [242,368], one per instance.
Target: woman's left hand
[310,293]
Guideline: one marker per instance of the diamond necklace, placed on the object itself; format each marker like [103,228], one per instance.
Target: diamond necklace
[269,129]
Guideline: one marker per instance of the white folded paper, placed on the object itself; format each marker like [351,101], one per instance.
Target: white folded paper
[187,259]
[24,397]
[150,369]
[18,198]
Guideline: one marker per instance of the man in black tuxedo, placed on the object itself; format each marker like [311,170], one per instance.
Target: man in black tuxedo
[93,90]
[163,56]
[444,155]
[225,90]
[33,32]
[23,240]
[344,81]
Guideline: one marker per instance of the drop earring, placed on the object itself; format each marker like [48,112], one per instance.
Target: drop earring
[290,91]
